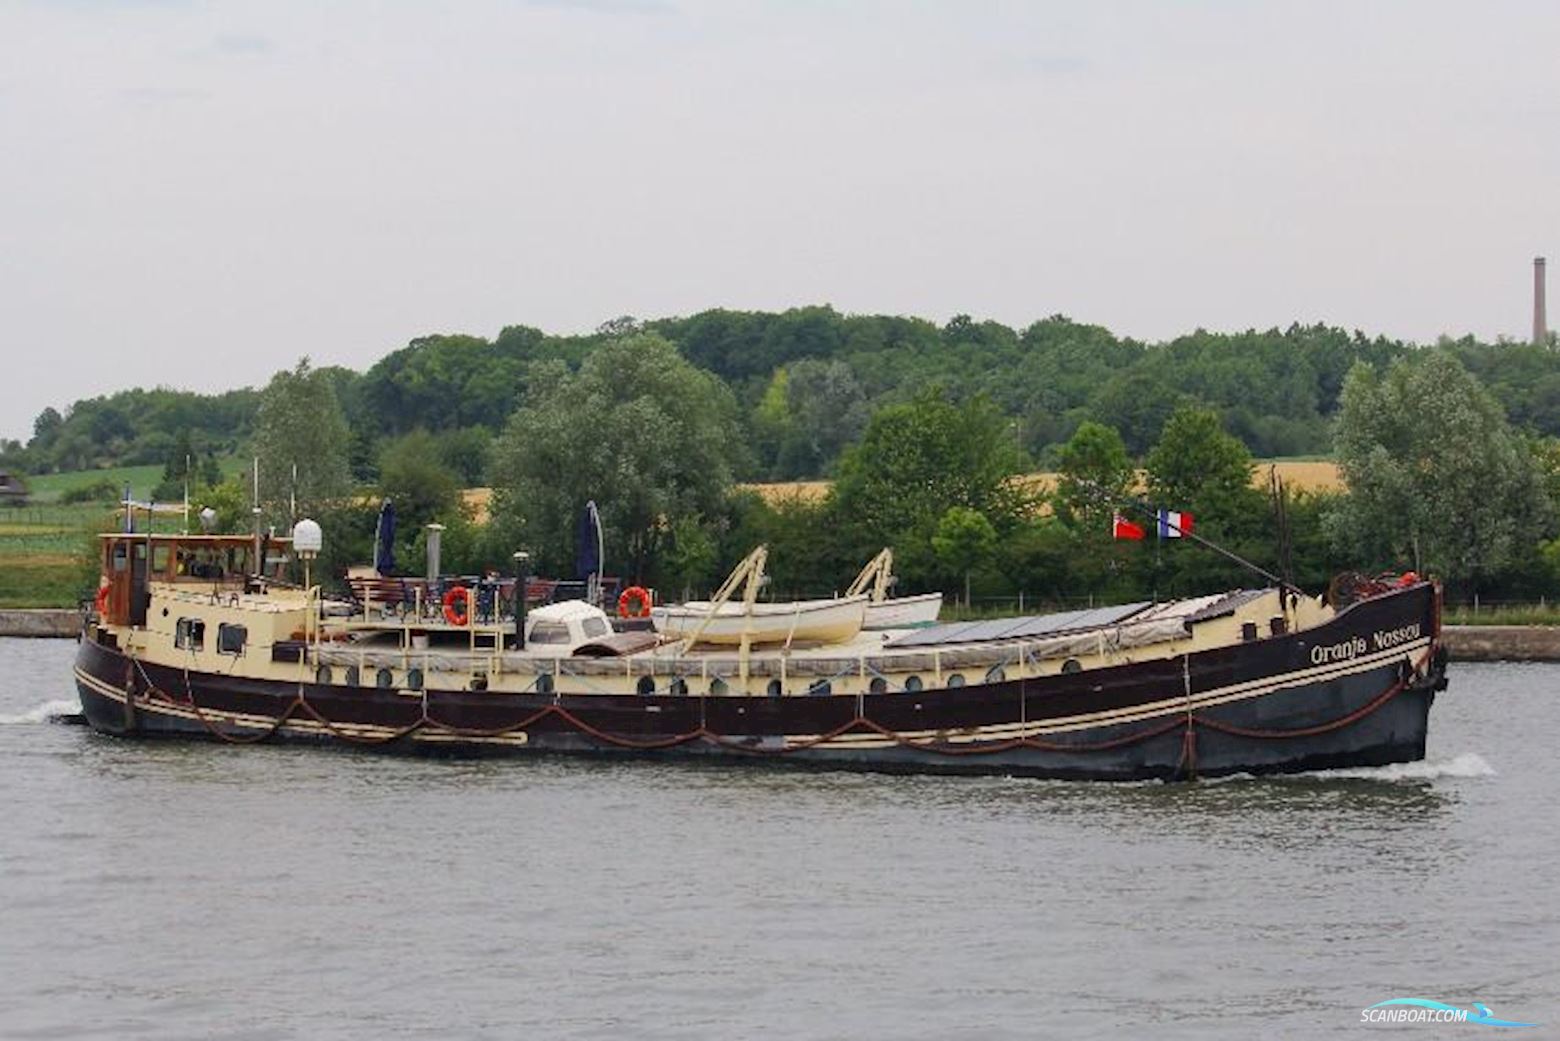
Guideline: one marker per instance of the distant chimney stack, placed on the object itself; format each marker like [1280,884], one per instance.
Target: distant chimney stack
[1540,319]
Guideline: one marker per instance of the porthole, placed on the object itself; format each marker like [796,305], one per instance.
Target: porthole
[678,687]
[996,674]
[879,685]
[322,675]
[384,679]
[414,681]
[646,685]
[956,680]
[544,683]
[718,687]
[1072,665]
[773,689]
[913,684]
[820,687]
[353,677]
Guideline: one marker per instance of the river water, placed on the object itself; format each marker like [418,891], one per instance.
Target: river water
[160,890]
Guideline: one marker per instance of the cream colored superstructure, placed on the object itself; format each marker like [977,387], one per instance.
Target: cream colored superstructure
[292,635]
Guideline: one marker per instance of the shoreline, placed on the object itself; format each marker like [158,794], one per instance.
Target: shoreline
[1463,642]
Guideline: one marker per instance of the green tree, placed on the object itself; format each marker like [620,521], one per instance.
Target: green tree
[423,488]
[918,459]
[1200,469]
[651,438]
[300,425]
[1197,467]
[963,541]
[1094,473]
[1435,475]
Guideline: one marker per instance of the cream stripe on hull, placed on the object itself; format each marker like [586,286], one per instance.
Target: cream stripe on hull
[1175,704]
[1178,703]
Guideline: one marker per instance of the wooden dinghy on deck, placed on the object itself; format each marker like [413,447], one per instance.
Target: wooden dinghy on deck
[726,622]
[885,612]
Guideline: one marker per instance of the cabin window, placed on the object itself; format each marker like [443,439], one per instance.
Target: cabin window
[231,639]
[1278,625]
[718,687]
[322,675]
[879,685]
[646,685]
[996,674]
[820,687]
[774,689]
[594,627]
[1248,630]
[1072,665]
[384,679]
[160,559]
[414,680]
[353,677]
[544,683]
[121,556]
[913,684]
[956,680]
[549,632]
[679,687]
[189,634]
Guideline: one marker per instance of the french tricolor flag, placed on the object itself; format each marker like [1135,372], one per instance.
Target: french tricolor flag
[1173,524]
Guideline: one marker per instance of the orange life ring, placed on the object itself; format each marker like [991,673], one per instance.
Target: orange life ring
[100,602]
[463,597]
[634,603]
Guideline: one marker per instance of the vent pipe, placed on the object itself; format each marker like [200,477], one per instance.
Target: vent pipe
[1540,318]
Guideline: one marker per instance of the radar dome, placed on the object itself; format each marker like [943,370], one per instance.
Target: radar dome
[307,537]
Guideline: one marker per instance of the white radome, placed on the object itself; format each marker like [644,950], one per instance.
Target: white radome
[307,537]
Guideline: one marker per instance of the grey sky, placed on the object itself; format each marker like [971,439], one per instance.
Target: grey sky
[195,194]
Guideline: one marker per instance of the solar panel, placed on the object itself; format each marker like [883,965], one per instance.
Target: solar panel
[1026,627]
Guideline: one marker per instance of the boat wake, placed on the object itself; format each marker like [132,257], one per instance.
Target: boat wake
[41,713]
[1468,765]
[1464,766]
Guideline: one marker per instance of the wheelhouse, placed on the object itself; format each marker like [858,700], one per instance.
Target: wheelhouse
[133,562]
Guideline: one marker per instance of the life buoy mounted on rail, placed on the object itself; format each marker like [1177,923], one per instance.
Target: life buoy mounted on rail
[100,601]
[634,603]
[457,606]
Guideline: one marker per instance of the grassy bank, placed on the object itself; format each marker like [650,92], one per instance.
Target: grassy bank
[47,557]
[48,488]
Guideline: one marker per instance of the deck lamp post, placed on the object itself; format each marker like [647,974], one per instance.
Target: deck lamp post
[522,566]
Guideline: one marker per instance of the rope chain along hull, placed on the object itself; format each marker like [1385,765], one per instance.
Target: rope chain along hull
[1334,696]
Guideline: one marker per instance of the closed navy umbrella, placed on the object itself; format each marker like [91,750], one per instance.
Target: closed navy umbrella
[384,540]
[587,551]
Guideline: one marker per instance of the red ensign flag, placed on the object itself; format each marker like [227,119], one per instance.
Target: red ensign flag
[1122,528]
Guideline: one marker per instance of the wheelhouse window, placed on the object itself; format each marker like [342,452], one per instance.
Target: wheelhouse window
[594,627]
[189,634]
[231,639]
[549,632]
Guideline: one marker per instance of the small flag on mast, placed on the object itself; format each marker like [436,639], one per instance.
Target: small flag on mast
[1173,524]
[1121,528]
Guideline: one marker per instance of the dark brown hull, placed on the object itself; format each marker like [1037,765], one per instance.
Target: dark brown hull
[1280,704]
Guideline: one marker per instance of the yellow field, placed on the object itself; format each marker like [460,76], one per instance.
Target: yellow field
[1298,475]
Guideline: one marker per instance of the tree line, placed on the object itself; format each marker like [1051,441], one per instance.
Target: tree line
[805,382]
[1447,450]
